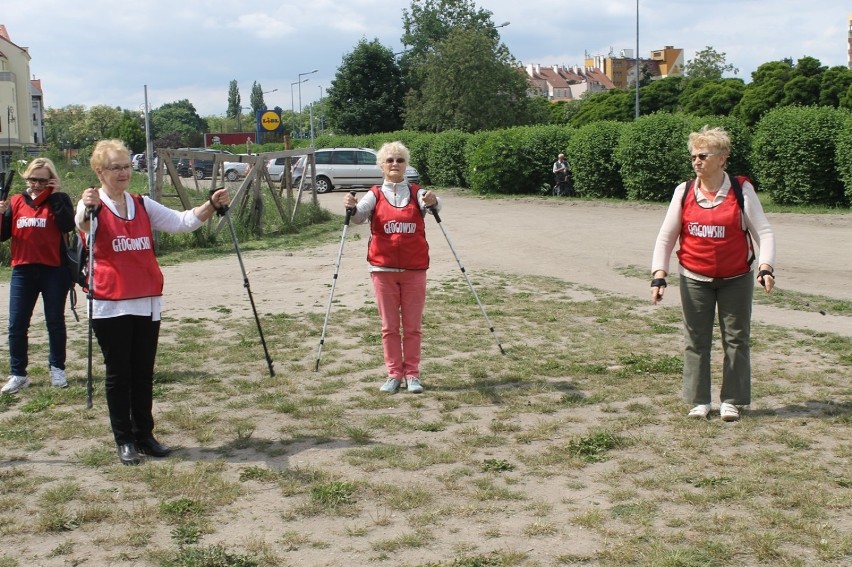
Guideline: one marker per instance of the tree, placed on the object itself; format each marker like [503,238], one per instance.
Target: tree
[708,64]
[765,90]
[177,121]
[465,85]
[661,95]
[711,97]
[130,130]
[429,22]
[366,93]
[834,84]
[59,125]
[257,98]
[615,104]
[234,103]
[97,123]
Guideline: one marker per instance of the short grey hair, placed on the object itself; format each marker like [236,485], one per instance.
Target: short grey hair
[390,149]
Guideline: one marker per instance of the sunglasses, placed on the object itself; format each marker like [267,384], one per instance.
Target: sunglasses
[38,180]
[702,157]
[397,160]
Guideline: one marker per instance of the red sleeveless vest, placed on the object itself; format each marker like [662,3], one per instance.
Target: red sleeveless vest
[398,235]
[35,236]
[712,241]
[124,262]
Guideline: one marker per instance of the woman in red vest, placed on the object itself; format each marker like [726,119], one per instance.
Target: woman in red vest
[399,257]
[128,289]
[715,217]
[36,221]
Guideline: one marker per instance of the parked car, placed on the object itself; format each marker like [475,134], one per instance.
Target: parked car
[235,170]
[339,168]
[201,168]
[138,162]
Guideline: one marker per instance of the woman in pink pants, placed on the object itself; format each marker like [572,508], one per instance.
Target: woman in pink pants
[399,257]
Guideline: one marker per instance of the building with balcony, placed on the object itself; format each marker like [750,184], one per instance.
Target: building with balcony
[558,82]
[21,102]
[621,68]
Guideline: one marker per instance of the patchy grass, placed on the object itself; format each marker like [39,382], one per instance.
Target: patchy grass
[572,449]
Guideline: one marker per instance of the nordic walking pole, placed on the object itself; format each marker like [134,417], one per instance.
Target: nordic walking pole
[469,283]
[223,212]
[334,281]
[91,213]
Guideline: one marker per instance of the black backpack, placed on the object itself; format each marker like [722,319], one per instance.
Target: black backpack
[76,255]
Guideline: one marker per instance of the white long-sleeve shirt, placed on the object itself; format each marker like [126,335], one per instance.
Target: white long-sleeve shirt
[753,216]
[162,218]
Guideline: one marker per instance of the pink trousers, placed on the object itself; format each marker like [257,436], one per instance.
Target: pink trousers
[401,296]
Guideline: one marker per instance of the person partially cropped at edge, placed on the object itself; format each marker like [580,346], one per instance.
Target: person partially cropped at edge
[36,221]
[398,255]
[715,266]
[128,289]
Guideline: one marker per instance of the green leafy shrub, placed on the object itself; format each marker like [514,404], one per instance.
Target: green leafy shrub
[844,157]
[794,155]
[446,161]
[653,156]
[488,160]
[537,150]
[591,153]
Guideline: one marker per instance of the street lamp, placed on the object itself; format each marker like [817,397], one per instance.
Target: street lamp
[239,117]
[503,25]
[9,120]
[320,116]
[637,59]
[292,107]
[300,96]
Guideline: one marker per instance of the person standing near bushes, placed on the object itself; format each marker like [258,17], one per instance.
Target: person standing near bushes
[715,217]
[128,289]
[36,221]
[399,257]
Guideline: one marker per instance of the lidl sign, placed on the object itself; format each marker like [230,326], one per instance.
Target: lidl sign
[270,121]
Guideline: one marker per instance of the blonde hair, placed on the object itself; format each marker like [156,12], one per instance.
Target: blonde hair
[715,139]
[389,149]
[39,163]
[103,148]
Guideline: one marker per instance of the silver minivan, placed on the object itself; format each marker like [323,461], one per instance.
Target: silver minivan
[339,168]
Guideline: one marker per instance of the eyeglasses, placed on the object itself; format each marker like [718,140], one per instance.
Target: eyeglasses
[117,168]
[397,160]
[38,180]
[702,157]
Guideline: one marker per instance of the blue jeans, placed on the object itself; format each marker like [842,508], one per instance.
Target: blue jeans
[27,282]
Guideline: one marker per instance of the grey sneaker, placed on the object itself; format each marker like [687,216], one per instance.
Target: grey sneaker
[391,386]
[414,385]
[14,384]
[729,412]
[57,378]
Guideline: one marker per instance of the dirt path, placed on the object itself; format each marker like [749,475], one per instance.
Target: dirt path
[581,242]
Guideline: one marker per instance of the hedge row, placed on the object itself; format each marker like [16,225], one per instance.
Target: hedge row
[799,155]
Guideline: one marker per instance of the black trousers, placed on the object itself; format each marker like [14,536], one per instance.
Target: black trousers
[129,346]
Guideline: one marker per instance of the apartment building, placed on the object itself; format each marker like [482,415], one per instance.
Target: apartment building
[558,82]
[21,102]
[621,68]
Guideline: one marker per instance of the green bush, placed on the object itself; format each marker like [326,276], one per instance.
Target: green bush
[446,162]
[537,150]
[794,155]
[489,158]
[591,153]
[844,157]
[653,156]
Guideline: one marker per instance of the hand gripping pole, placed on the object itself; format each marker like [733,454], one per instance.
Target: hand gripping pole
[349,213]
[224,212]
[469,283]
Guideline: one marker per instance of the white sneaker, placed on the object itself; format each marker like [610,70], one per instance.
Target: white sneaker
[729,412]
[14,384]
[391,386]
[414,386]
[701,411]
[57,377]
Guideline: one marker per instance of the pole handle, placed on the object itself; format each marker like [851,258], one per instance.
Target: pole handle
[220,211]
[7,185]
[435,214]
[349,212]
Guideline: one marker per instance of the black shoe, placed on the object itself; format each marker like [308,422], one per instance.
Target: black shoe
[127,454]
[151,446]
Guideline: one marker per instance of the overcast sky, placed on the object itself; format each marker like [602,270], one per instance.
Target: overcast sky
[104,52]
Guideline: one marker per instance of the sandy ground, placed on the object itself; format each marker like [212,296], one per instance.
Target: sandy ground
[581,242]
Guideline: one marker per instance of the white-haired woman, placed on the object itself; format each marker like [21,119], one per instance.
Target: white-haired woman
[715,216]
[128,289]
[398,255]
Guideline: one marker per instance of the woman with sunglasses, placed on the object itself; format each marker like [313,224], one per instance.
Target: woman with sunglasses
[128,289]
[399,257]
[715,216]
[36,221]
